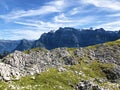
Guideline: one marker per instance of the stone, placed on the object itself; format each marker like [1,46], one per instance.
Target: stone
[86,85]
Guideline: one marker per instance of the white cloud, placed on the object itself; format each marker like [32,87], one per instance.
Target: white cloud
[58,21]
[39,25]
[28,24]
[67,13]
[60,4]
[27,34]
[50,7]
[16,34]
[61,18]
[114,15]
[21,13]
[108,4]
[44,26]
[75,11]
[114,25]
[66,19]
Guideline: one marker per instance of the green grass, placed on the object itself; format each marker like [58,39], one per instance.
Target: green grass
[71,49]
[3,85]
[108,44]
[93,47]
[113,43]
[54,80]
[49,80]
[26,51]
[35,50]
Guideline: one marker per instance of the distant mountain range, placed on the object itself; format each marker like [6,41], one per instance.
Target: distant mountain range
[24,45]
[8,45]
[63,37]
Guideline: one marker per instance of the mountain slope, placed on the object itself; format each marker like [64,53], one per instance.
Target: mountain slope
[91,68]
[8,45]
[24,45]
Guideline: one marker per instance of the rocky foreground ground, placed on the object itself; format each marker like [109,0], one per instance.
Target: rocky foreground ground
[91,68]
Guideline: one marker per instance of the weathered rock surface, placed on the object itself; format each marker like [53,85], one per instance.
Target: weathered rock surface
[106,53]
[18,64]
[8,72]
[86,85]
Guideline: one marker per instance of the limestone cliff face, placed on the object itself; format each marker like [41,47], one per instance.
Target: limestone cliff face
[71,37]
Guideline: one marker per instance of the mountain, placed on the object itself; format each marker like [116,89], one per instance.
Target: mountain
[24,45]
[63,37]
[91,68]
[8,45]
[12,45]
[70,37]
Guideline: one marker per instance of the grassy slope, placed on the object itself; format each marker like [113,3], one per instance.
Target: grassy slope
[55,80]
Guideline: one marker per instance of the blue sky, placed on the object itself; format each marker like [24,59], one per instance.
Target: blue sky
[30,18]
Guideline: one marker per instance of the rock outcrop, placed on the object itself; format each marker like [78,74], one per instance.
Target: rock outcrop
[86,85]
[98,64]
[36,61]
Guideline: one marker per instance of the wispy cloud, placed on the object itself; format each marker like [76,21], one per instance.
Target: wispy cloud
[114,15]
[61,18]
[39,25]
[58,21]
[69,19]
[60,13]
[17,34]
[108,4]
[75,11]
[50,7]
[21,13]
[114,25]
[27,34]
[29,24]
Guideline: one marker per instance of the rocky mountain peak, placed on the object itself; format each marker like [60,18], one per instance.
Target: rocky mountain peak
[71,37]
